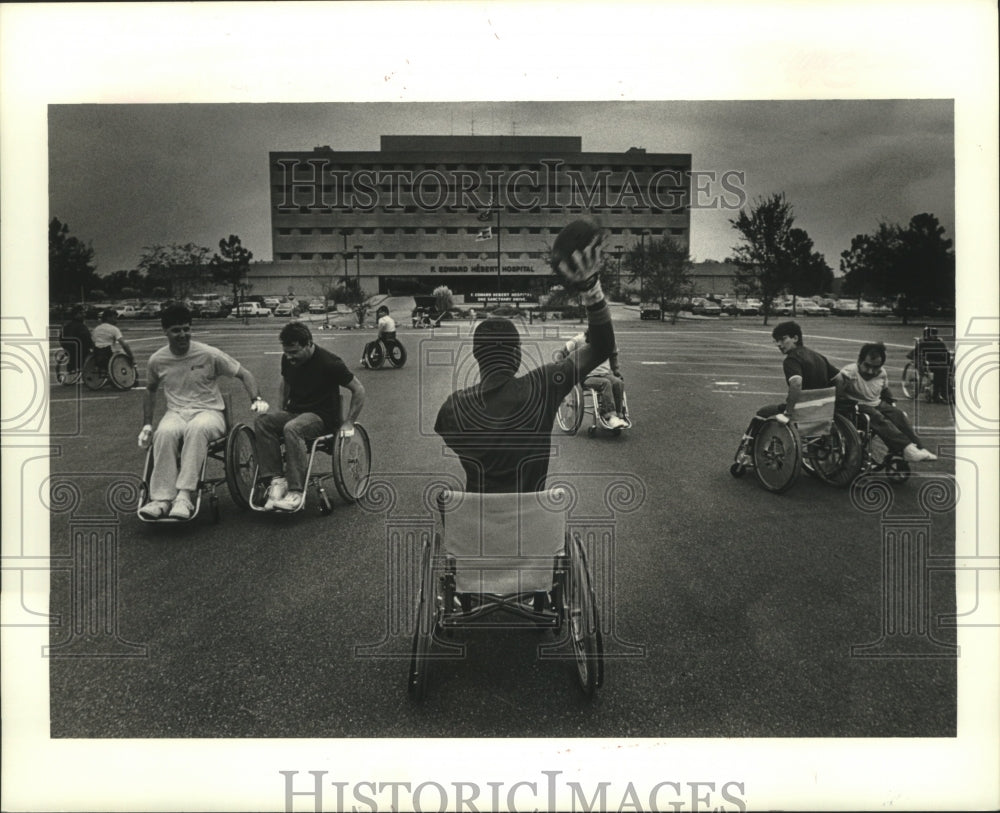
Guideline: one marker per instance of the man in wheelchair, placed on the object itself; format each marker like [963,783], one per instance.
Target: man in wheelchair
[804,369]
[501,427]
[606,379]
[930,354]
[386,327]
[76,340]
[865,384]
[188,372]
[106,335]
[311,378]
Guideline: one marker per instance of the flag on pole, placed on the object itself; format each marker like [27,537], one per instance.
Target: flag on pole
[485,234]
[488,211]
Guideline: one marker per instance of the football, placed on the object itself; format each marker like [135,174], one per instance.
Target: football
[574,237]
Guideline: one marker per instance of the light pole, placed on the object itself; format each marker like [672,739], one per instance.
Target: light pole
[642,265]
[618,279]
[357,257]
[344,233]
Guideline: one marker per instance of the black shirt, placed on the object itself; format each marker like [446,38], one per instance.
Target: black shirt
[815,369]
[314,386]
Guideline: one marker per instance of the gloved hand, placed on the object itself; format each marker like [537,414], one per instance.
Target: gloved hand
[582,274]
[145,436]
[347,430]
[259,405]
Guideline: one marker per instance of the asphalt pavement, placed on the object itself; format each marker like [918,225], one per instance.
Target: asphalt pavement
[727,611]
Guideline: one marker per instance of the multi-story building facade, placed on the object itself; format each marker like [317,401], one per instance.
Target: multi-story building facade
[476,213]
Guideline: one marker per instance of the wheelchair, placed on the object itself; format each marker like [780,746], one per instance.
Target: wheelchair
[875,455]
[97,370]
[377,352]
[511,554]
[351,469]
[918,380]
[236,452]
[811,437]
[582,399]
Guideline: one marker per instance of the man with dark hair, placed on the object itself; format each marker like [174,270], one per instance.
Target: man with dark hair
[188,371]
[931,354]
[804,369]
[501,427]
[76,340]
[311,378]
[866,384]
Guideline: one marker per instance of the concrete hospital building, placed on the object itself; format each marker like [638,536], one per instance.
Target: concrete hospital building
[475,213]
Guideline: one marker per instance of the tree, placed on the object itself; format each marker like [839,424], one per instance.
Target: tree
[773,256]
[232,266]
[443,299]
[665,266]
[916,265]
[71,267]
[178,268]
[810,273]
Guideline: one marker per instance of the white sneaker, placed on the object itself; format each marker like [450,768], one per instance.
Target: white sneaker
[615,422]
[914,455]
[275,491]
[157,509]
[182,508]
[290,502]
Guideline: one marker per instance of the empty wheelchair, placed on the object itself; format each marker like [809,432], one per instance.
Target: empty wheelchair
[350,470]
[376,353]
[234,451]
[810,437]
[511,554]
[581,400]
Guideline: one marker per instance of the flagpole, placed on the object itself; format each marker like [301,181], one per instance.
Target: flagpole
[499,282]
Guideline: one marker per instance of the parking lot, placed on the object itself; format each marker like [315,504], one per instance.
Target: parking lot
[728,611]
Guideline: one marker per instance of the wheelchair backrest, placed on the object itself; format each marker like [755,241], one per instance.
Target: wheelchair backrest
[813,414]
[503,543]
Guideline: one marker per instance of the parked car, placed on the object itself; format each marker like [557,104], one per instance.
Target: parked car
[317,306]
[271,302]
[251,309]
[810,308]
[206,305]
[705,307]
[287,308]
[126,311]
[151,310]
[650,310]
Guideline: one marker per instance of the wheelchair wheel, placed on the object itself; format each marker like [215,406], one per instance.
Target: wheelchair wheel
[63,375]
[241,464]
[93,376]
[584,626]
[912,382]
[896,469]
[776,455]
[352,464]
[836,458]
[375,355]
[424,623]
[569,416]
[396,354]
[737,470]
[121,371]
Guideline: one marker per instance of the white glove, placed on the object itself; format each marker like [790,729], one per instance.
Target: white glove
[347,431]
[259,405]
[145,436]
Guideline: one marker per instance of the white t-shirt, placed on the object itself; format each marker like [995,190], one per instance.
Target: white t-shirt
[105,335]
[189,381]
[858,389]
[579,340]
[386,325]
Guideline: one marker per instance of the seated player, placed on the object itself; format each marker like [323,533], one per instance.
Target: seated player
[931,355]
[386,332]
[76,340]
[605,378]
[866,384]
[311,378]
[106,335]
[188,372]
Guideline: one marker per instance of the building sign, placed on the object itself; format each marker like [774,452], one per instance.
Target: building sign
[503,296]
[479,268]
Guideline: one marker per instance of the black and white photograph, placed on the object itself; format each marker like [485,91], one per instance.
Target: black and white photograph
[579,409]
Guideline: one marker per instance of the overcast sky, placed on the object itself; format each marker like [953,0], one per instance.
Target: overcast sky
[128,176]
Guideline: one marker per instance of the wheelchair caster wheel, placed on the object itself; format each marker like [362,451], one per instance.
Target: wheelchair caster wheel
[737,470]
[325,506]
[592,431]
[214,506]
[897,470]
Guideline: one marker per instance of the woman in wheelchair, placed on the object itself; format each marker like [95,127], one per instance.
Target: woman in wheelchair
[865,384]
[385,346]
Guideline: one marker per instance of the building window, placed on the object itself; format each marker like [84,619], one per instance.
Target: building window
[327,255]
[368,231]
[410,255]
[389,255]
[305,231]
[450,230]
[326,231]
[284,231]
[284,256]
